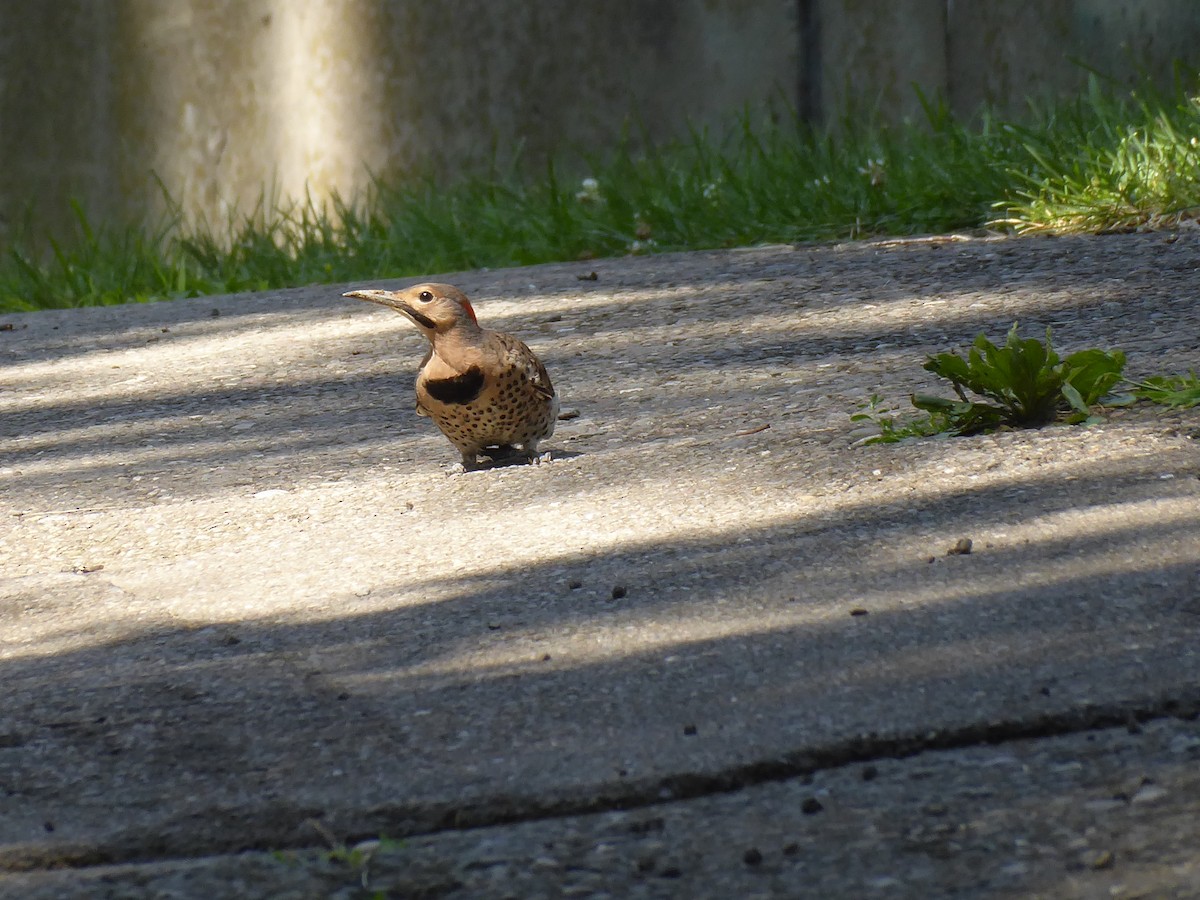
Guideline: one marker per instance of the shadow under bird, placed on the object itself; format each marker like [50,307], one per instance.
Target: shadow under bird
[487,391]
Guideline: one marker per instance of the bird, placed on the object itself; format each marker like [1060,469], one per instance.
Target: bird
[486,390]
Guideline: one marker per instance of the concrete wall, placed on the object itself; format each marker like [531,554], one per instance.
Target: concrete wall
[999,52]
[221,98]
[995,52]
[218,98]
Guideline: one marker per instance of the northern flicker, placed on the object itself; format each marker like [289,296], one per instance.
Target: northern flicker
[486,390]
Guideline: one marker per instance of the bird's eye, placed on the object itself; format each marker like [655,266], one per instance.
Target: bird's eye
[425,296]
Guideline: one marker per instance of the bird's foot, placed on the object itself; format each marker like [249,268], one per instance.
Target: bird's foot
[505,455]
[527,455]
[469,464]
[500,457]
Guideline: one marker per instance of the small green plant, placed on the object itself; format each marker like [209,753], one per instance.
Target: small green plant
[1023,384]
[878,414]
[1025,381]
[357,857]
[1169,390]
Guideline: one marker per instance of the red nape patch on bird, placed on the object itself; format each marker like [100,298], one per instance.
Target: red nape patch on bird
[466,304]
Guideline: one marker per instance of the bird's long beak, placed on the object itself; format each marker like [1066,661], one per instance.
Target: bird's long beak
[383,298]
[394,302]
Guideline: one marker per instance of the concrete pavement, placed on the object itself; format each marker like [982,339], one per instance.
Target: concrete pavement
[241,594]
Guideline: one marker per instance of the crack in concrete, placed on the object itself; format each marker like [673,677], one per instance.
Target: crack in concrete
[280,833]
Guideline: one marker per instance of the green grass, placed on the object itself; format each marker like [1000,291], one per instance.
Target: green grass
[1103,162]
[1121,165]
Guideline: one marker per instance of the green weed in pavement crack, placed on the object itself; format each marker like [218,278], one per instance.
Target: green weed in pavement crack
[1020,384]
[1181,391]
[1026,382]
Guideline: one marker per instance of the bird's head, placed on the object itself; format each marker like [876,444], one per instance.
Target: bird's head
[434,308]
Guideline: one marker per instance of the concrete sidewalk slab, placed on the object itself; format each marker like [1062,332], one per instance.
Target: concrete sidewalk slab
[240,592]
[1109,813]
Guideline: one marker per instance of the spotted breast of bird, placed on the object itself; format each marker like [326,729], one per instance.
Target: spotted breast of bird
[487,391]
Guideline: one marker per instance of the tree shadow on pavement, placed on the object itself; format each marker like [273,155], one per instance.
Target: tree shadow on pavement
[725,660]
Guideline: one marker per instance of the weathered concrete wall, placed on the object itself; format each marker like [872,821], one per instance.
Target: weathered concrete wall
[55,103]
[1002,52]
[873,52]
[220,99]
[995,52]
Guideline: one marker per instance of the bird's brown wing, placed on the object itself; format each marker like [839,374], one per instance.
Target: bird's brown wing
[524,360]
